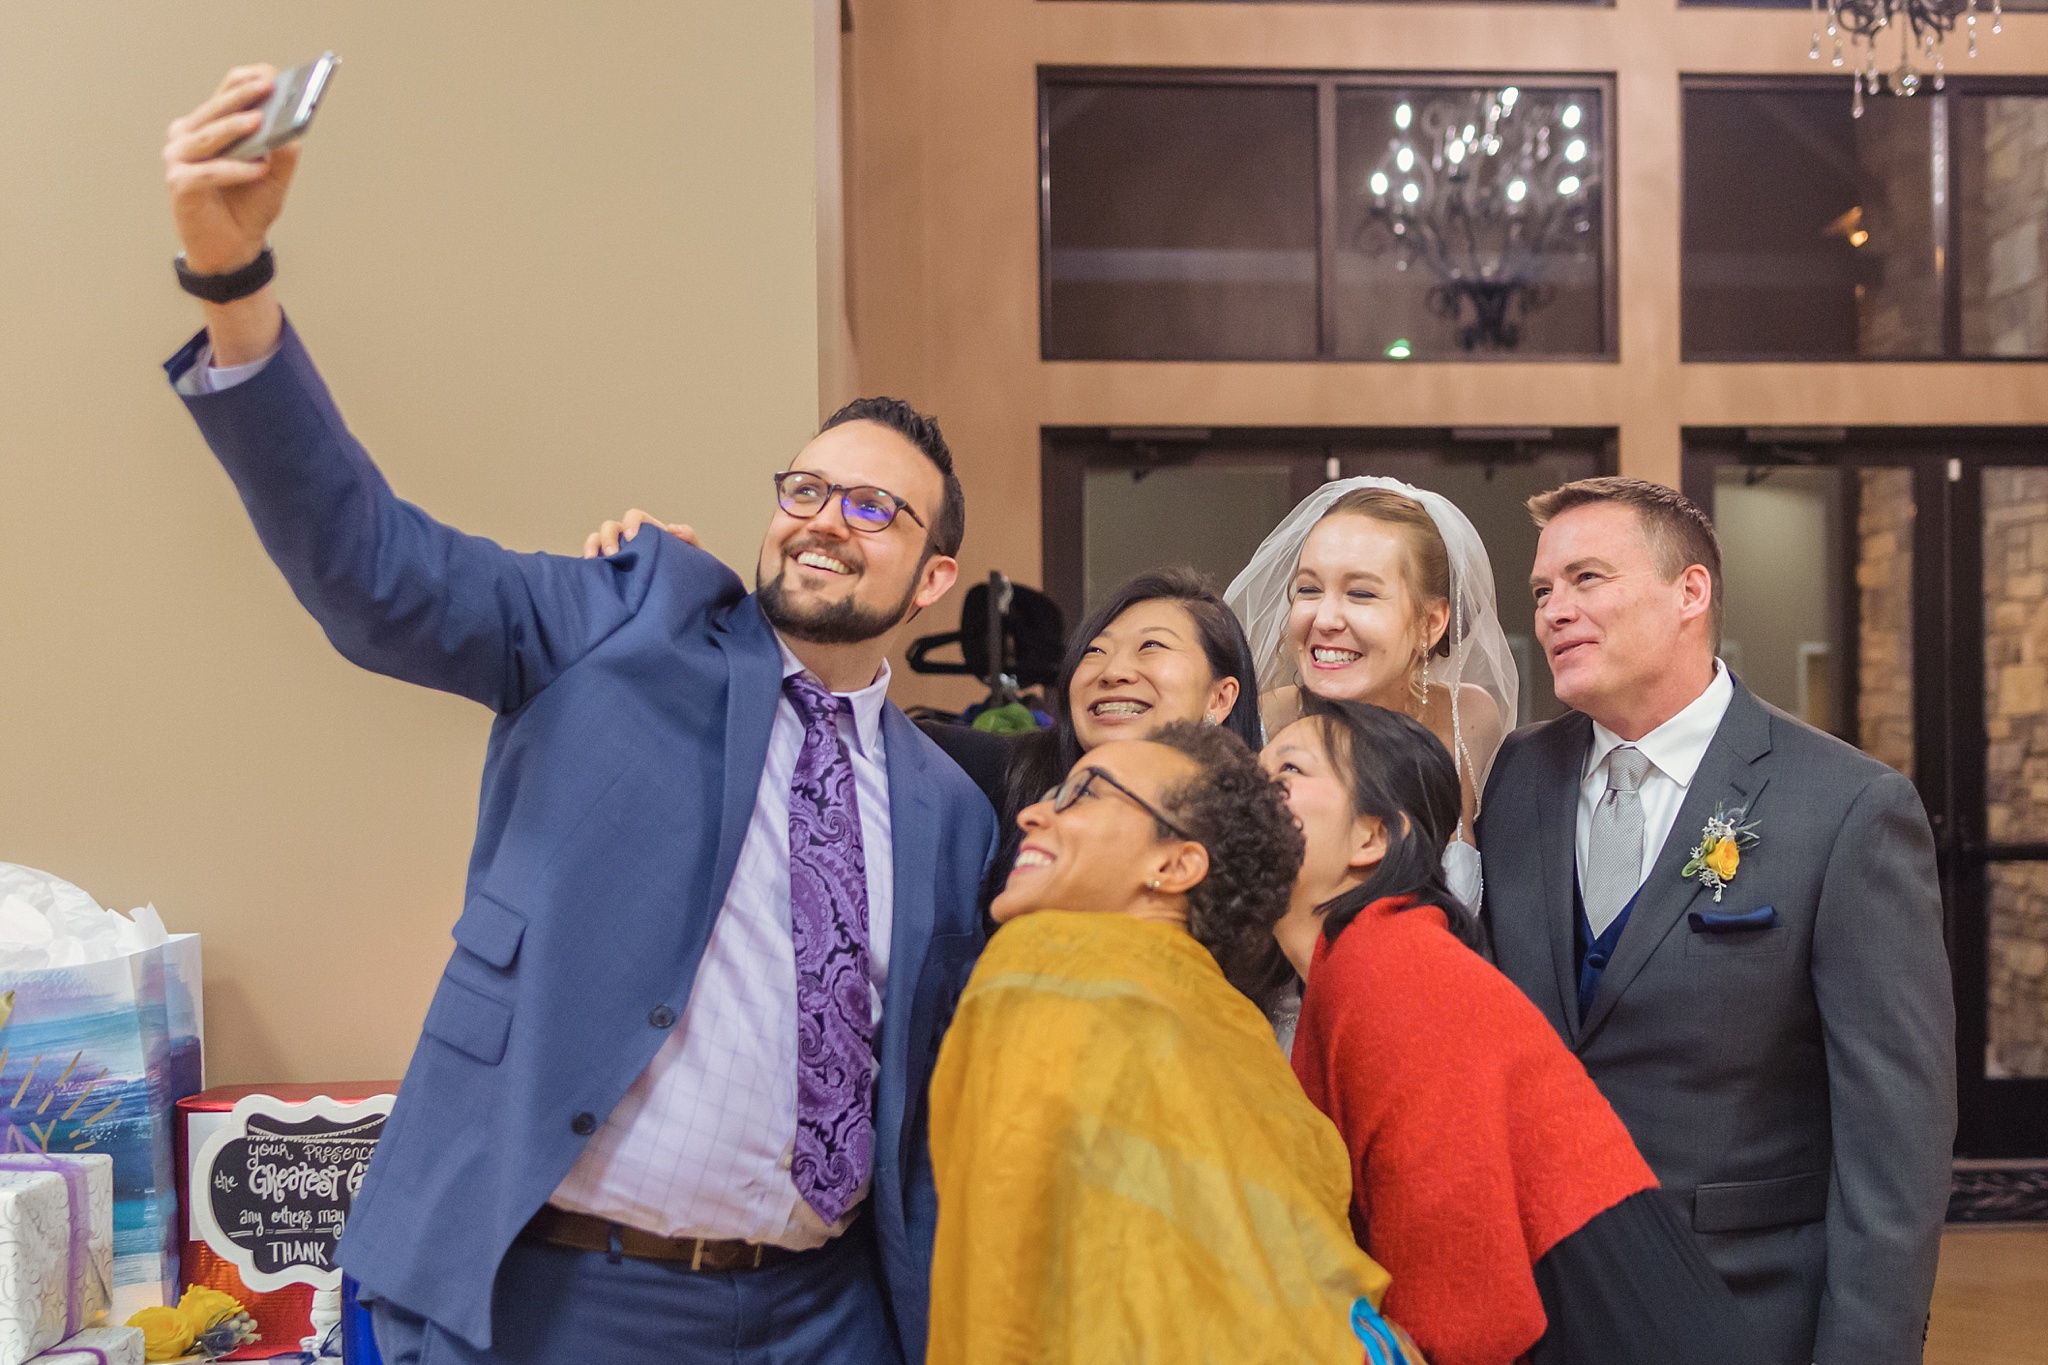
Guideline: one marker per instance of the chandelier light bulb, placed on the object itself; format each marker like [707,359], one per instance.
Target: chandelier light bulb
[1507,184]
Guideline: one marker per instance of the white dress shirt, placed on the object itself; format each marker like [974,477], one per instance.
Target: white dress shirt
[1675,750]
[701,1144]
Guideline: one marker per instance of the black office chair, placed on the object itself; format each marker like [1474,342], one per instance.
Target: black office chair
[1011,637]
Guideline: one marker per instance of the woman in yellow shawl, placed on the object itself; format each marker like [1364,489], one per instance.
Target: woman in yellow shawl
[1127,1170]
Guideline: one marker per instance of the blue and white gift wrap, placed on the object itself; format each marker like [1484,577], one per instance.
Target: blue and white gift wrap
[94,1058]
[56,1249]
[97,1346]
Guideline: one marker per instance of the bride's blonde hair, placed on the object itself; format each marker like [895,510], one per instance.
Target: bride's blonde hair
[1428,562]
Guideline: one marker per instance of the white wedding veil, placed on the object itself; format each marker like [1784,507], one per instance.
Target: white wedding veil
[1479,654]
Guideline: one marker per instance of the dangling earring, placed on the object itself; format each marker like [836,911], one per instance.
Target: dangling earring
[1418,682]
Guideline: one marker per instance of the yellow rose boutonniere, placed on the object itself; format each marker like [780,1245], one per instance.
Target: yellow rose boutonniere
[1718,854]
[166,1334]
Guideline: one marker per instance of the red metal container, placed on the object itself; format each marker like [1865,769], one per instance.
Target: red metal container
[285,1315]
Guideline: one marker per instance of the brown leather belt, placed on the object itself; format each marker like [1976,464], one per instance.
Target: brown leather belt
[581,1232]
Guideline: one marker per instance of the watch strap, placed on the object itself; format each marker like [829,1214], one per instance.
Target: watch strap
[235,284]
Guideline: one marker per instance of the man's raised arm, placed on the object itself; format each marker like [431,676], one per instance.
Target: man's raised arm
[395,590]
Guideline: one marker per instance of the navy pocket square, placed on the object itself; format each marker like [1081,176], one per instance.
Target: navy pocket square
[1713,922]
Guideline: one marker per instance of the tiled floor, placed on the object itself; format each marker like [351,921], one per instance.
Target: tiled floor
[1991,1298]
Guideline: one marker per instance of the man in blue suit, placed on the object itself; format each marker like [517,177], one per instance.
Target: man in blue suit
[668,1103]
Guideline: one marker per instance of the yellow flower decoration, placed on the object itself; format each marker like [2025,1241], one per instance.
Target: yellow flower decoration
[1718,854]
[166,1334]
[202,1307]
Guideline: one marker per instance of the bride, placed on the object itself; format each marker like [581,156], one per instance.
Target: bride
[1374,590]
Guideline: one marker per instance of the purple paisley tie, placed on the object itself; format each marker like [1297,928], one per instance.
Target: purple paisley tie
[828,902]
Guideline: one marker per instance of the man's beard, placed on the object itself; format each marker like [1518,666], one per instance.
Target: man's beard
[845,622]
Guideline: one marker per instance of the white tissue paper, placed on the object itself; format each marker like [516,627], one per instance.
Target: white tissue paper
[120,1346]
[47,922]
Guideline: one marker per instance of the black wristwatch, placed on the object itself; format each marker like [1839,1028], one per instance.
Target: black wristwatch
[236,284]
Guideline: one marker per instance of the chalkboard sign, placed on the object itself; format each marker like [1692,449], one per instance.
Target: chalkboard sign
[272,1188]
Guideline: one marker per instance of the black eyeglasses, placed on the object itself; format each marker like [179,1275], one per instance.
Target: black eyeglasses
[865,507]
[1077,784]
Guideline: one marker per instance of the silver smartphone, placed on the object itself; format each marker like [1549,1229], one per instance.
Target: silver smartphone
[289,110]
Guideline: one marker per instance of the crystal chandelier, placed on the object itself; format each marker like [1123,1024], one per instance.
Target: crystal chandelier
[1480,187]
[1921,25]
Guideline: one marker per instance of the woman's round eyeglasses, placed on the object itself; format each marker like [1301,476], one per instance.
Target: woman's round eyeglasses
[1081,779]
[865,507]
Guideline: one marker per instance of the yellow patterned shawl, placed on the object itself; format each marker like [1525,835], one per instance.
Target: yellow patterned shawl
[1127,1170]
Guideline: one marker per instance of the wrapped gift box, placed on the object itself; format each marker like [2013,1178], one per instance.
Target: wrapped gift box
[283,1315]
[113,1345]
[56,1249]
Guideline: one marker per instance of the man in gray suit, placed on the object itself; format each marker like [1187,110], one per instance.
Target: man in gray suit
[1773,1021]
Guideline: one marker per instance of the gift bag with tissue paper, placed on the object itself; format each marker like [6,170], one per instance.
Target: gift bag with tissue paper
[101,1021]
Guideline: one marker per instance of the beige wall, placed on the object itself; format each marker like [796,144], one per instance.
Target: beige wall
[945,234]
[555,259]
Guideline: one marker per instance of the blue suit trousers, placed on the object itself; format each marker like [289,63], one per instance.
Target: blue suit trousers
[556,1306]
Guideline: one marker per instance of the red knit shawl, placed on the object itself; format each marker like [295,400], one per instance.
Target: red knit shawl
[1477,1140]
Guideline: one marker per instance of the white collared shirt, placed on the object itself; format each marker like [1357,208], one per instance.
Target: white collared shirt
[1675,750]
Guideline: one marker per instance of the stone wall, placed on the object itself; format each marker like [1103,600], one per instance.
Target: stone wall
[2016,795]
[1884,583]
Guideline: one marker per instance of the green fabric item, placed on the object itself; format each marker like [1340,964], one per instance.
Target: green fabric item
[1014,719]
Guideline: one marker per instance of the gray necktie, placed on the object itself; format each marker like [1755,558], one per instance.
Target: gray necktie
[1614,855]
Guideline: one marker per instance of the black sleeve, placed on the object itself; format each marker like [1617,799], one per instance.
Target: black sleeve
[984,757]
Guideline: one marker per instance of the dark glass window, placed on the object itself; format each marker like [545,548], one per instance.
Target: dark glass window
[1198,216]
[1181,222]
[1910,232]
[1501,249]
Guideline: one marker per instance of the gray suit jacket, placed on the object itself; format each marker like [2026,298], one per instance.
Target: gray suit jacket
[1793,1087]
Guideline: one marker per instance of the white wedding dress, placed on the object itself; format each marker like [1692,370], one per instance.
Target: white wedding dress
[1479,655]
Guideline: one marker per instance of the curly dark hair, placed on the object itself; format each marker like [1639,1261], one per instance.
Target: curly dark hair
[1241,817]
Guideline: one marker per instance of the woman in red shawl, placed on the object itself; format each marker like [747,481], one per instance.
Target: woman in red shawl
[1489,1176]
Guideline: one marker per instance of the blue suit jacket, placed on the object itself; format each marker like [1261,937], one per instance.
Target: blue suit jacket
[634,696]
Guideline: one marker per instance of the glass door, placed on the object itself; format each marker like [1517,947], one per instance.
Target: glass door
[2001,948]
[1892,588]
